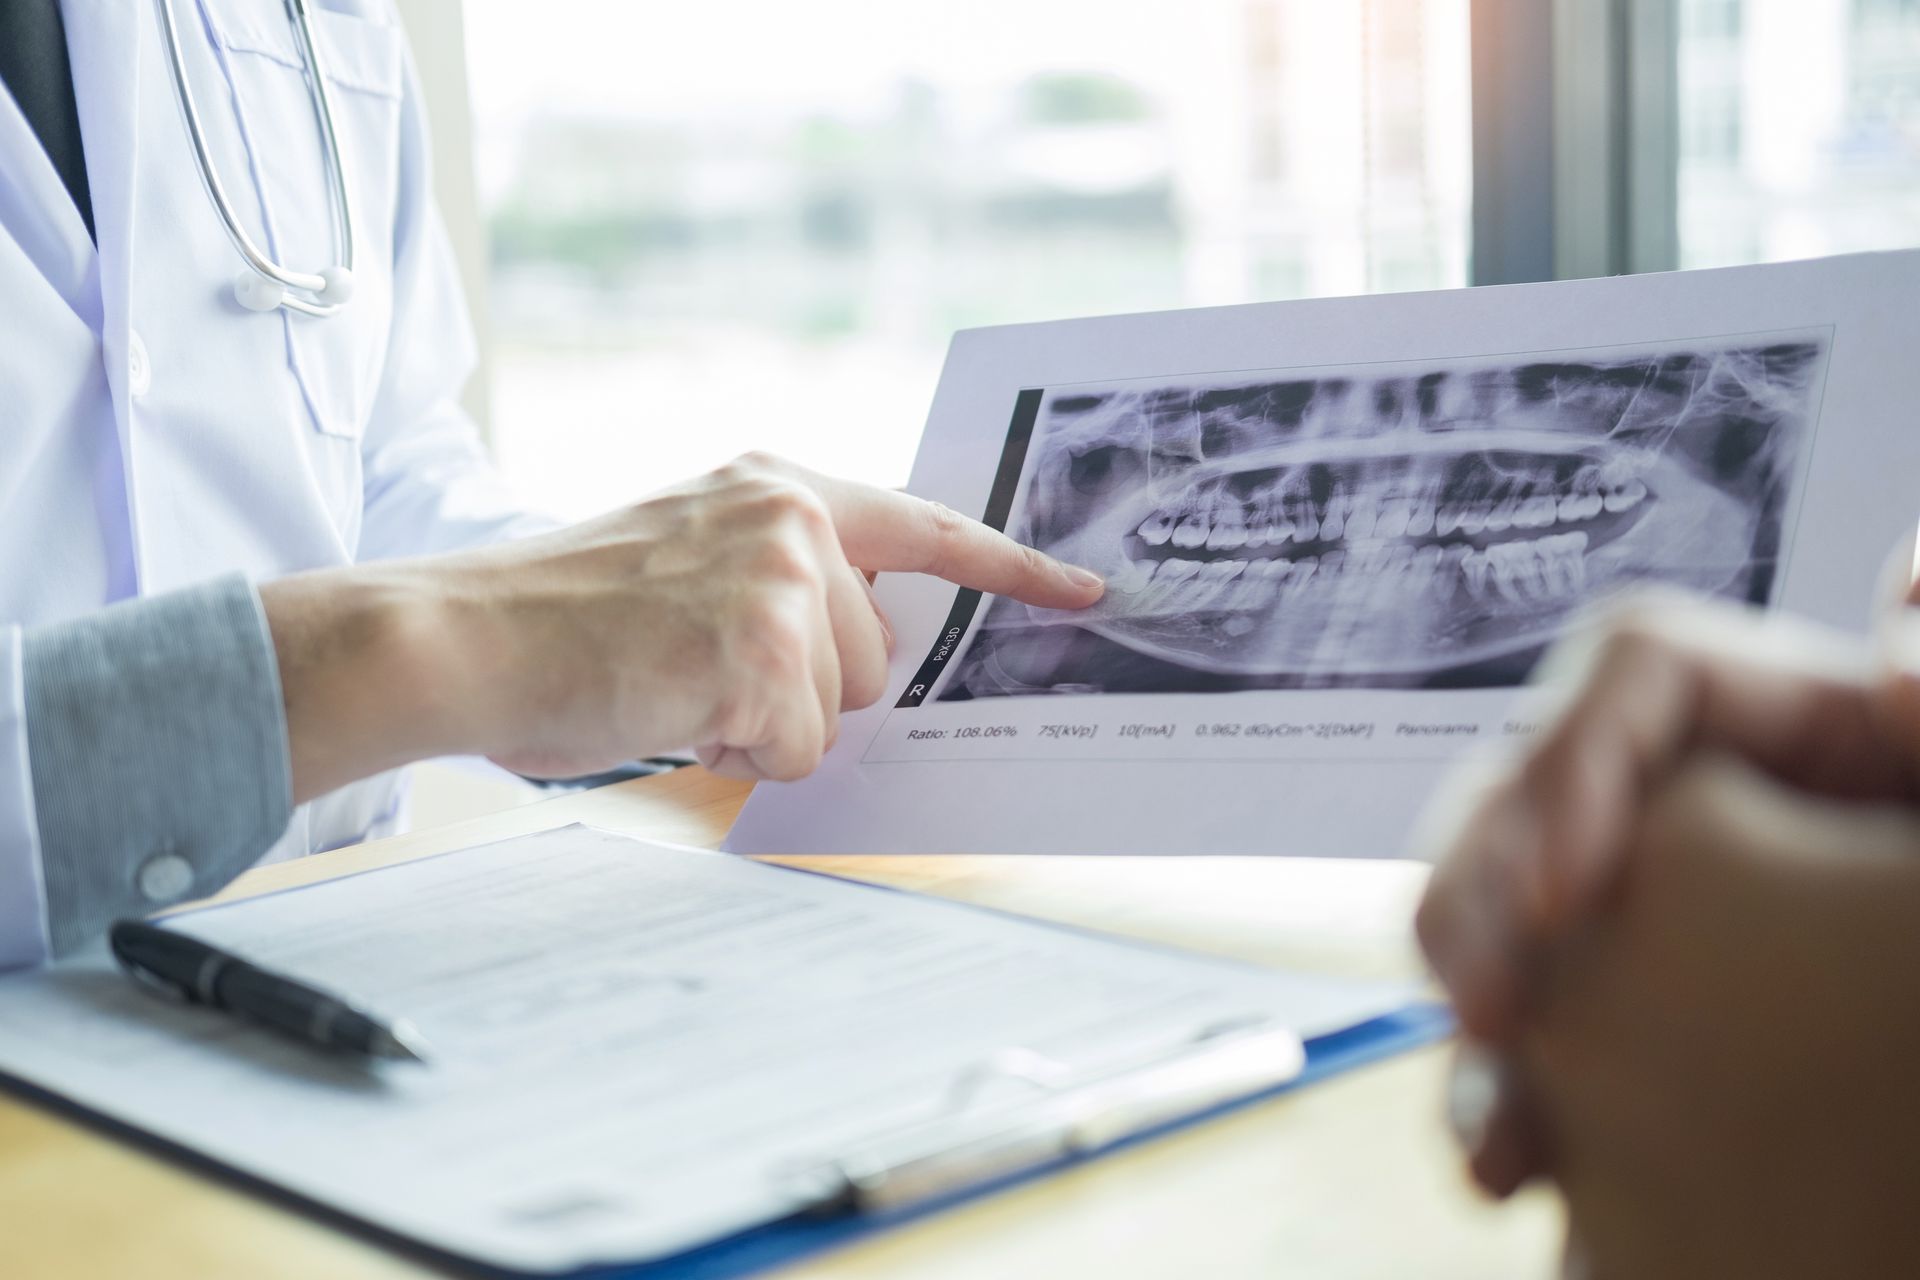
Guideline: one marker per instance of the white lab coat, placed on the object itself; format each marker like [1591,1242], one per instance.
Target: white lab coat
[156,434]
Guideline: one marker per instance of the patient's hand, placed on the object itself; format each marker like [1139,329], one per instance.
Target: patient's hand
[1540,846]
[1725,1064]
[1538,851]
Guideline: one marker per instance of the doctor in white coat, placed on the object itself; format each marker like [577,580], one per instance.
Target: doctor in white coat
[158,434]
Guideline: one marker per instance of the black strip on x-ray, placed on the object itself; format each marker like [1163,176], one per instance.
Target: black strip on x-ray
[1006,482]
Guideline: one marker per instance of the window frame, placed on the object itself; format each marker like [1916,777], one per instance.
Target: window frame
[1576,138]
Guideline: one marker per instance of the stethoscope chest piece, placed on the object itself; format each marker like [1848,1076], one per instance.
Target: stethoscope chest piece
[257,292]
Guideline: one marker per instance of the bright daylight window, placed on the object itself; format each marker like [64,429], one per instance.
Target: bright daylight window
[1799,128]
[754,225]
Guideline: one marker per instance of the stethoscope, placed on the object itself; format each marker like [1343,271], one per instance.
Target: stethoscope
[265,284]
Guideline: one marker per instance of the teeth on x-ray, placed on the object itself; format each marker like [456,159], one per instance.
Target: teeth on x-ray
[1424,527]
[1271,540]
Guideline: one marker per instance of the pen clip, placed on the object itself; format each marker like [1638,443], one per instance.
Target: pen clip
[155,985]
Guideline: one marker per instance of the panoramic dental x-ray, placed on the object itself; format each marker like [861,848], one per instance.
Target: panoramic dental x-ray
[1393,527]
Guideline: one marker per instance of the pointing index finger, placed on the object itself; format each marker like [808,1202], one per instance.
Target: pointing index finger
[883,530]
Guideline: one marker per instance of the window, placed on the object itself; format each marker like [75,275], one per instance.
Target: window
[753,225]
[1800,128]
[1712,20]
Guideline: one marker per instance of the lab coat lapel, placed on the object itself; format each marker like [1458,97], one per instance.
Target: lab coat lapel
[104,43]
[40,217]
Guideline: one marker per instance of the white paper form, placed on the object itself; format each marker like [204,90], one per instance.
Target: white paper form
[631,1042]
[1338,535]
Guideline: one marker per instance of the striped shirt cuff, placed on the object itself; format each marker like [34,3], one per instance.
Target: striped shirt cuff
[157,741]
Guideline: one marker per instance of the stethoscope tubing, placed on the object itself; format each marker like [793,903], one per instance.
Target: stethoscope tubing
[337,180]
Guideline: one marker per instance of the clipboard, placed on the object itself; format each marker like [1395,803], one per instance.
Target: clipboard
[784,1243]
[1003,1116]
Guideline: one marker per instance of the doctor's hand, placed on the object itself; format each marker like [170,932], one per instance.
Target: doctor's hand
[1533,853]
[731,613]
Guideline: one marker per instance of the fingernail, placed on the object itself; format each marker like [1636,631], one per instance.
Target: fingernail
[1896,582]
[1084,577]
[1472,1091]
[1897,642]
[1574,651]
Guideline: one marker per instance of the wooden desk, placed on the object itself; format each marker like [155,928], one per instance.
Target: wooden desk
[1352,1178]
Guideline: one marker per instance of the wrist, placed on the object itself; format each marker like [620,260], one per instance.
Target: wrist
[368,671]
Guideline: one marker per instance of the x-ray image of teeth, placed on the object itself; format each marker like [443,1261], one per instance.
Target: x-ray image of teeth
[1424,527]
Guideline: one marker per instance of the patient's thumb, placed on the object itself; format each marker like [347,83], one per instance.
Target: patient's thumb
[1897,662]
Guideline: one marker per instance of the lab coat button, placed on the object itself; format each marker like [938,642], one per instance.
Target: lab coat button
[166,877]
[139,369]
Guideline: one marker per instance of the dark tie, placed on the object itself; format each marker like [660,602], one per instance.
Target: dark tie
[33,65]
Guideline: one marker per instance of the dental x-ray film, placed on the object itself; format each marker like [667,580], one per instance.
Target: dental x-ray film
[1338,537]
[1422,527]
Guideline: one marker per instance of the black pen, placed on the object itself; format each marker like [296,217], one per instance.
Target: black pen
[204,974]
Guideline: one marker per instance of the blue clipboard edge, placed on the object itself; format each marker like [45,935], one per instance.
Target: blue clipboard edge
[777,1243]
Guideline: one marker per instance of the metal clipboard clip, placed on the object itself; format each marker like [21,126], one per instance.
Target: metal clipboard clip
[1061,1114]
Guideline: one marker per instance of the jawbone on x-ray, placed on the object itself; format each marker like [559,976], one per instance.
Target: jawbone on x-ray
[1421,527]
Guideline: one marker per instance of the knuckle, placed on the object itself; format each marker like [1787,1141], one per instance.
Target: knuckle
[747,710]
[862,685]
[771,639]
[943,525]
[1028,561]
[772,502]
[1640,637]
[759,463]
[783,561]
[736,717]
[728,762]
[782,667]
[947,532]
[803,506]
[792,768]
[1633,640]
[732,475]
[751,474]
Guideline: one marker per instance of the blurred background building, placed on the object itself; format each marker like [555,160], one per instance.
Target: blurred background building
[746,225]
